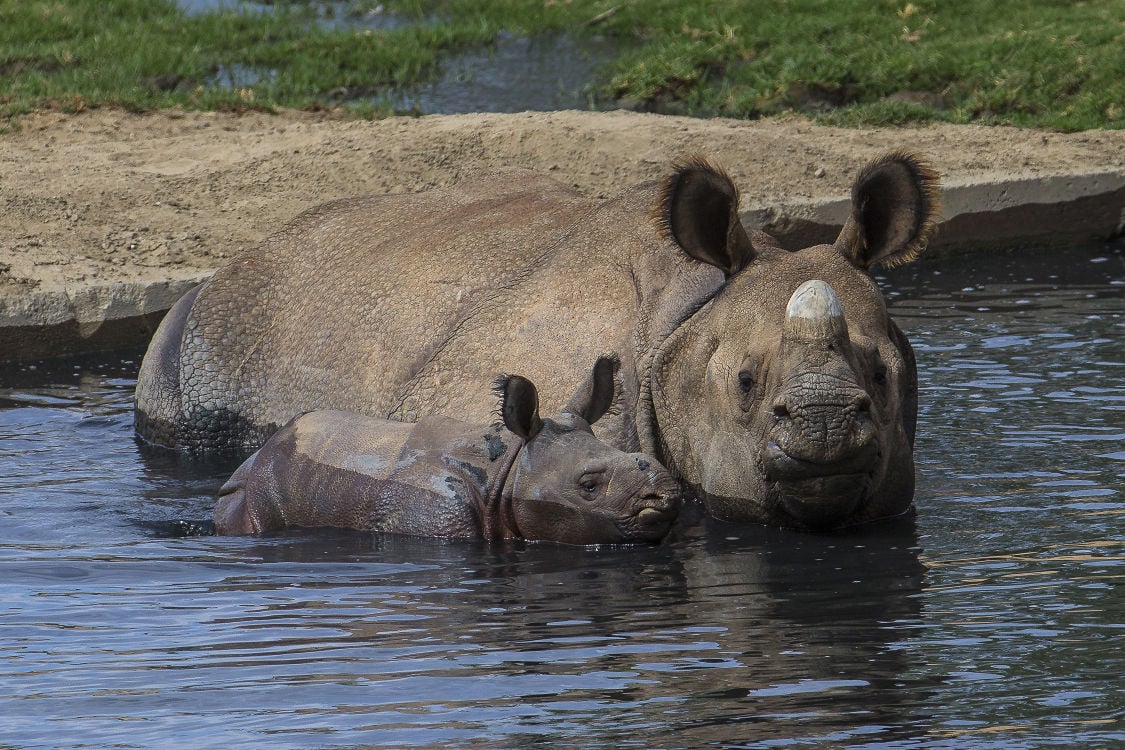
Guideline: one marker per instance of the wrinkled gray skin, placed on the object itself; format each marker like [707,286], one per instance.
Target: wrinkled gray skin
[403,306]
[542,479]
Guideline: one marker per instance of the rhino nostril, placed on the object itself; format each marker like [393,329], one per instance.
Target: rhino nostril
[781,409]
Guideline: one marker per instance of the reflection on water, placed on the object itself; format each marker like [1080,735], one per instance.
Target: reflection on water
[990,620]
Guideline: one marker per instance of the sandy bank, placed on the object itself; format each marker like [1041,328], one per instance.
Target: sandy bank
[108,216]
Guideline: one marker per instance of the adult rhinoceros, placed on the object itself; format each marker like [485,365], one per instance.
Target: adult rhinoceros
[772,399]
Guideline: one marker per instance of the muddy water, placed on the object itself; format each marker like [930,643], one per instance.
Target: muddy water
[993,619]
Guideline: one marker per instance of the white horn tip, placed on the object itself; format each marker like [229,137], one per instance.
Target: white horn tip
[814,299]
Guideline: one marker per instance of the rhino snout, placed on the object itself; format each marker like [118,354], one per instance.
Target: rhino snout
[823,428]
[659,497]
[821,495]
[658,502]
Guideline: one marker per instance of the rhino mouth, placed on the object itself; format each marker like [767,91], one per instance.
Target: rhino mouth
[821,495]
[781,466]
[652,518]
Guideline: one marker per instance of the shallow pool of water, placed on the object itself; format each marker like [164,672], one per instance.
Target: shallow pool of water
[993,619]
[513,74]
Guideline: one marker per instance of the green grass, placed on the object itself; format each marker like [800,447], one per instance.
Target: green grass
[1032,63]
[1036,63]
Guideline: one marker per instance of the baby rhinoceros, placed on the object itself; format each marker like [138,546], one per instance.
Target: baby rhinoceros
[544,479]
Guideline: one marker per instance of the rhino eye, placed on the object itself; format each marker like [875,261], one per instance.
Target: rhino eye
[880,376]
[746,381]
[588,484]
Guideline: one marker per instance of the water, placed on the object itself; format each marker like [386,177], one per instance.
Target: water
[329,14]
[513,74]
[993,620]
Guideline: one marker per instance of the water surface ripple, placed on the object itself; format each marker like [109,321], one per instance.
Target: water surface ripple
[993,619]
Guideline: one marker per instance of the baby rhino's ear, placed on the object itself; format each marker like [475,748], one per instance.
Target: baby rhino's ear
[595,397]
[519,406]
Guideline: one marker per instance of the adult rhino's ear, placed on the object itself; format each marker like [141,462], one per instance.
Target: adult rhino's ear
[519,406]
[595,397]
[895,203]
[699,210]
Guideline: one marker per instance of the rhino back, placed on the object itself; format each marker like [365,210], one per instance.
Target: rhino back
[345,304]
[403,306]
[611,281]
[344,470]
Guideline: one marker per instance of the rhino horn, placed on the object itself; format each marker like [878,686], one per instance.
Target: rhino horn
[814,313]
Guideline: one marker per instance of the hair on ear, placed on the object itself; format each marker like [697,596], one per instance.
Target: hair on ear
[895,206]
[698,210]
[519,405]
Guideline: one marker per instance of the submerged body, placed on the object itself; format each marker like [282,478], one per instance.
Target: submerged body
[418,299]
[545,479]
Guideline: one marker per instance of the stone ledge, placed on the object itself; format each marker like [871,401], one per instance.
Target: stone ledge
[44,323]
[1056,209]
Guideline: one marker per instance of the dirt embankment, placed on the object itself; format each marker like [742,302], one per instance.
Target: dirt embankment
[105,196]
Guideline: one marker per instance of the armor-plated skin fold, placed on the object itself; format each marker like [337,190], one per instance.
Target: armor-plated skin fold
[404,306]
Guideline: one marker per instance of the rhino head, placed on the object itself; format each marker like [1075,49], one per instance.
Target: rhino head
[791,396]
[567,485]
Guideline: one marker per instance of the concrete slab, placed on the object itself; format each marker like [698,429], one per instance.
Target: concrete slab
[989,212]
[100,315]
